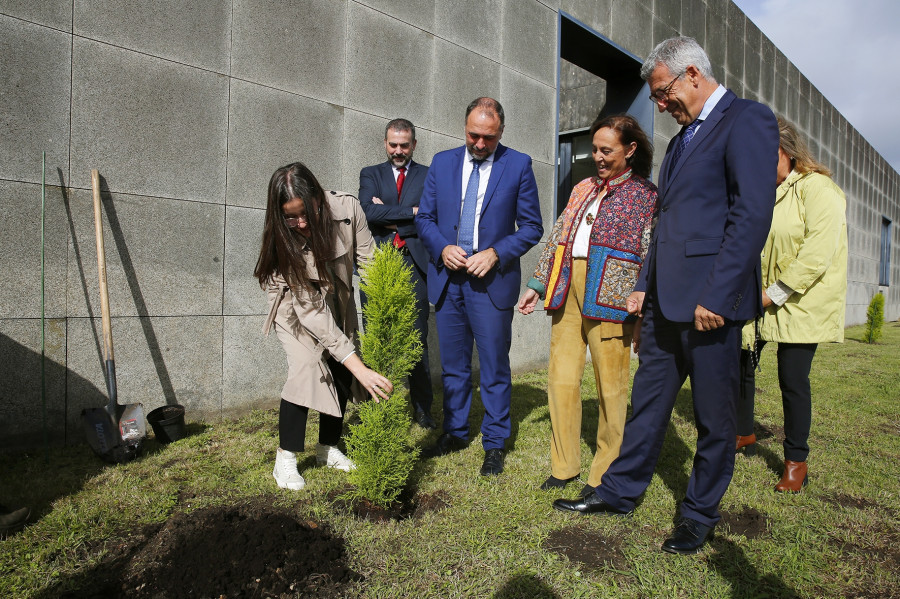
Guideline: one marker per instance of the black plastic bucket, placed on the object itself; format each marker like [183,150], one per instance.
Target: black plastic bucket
[168,423]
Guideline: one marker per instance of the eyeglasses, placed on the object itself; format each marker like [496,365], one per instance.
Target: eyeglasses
[661,97]
[294,221]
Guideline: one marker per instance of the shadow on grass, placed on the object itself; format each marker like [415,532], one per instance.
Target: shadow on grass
[731,563]
[525,399]
[66,472]
[522,586]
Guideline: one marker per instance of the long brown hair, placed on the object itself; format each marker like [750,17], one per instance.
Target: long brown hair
[283,250]
[641,162]
[801,158]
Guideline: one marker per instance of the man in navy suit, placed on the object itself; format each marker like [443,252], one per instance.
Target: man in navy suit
[389,193]
[699,283]
[479,213]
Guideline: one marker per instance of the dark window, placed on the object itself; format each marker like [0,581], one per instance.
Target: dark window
[596,78]
[884,264]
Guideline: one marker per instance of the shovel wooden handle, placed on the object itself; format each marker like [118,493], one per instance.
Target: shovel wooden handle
[101,268]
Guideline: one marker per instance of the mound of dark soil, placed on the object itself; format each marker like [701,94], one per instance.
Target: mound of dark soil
[750,522]
[237,551]
[408,505]
[590,548]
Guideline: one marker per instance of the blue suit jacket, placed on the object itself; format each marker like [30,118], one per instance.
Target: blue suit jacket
[510,219]
[715,209]
[378,181]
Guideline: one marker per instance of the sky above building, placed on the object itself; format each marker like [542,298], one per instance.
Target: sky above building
[849,51]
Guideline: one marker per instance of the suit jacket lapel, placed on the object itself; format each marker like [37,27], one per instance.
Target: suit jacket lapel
[705,129]
[388,184]
[456,185]
[496,172]
[413,172]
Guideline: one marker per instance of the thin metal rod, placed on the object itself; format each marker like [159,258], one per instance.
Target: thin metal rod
[43,359]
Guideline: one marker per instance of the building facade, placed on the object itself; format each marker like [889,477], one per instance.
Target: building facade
[186,108]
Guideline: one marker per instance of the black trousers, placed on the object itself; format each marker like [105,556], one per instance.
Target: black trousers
[292,418]
[794,364]
[421,394]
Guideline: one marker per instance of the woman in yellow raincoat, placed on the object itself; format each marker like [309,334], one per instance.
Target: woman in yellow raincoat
[804,268]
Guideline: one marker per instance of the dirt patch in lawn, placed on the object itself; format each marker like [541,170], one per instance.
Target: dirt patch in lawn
[249,550]
[409,505]
[749,522]
[871,556]
[590,548]
[842,500]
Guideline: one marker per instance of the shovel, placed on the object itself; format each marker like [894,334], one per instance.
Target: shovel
[115,432]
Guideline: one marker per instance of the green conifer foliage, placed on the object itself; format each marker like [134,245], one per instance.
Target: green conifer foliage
[380,444]
[874,319]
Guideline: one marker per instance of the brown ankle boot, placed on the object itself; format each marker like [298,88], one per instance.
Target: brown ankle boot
[747,443]
[794,478]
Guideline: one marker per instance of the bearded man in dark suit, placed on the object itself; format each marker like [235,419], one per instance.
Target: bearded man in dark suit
[389,193]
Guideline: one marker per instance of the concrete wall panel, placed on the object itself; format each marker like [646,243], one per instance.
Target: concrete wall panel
[464,76]
[151,126]
[662,30]
[254,367]
[163,257]
[545,175]
[159,361]
[243,234]
[421,14]
[52,13]
[196,33]
[294,46]
[34,96]
[529,40]
[472,24]
[628,27]
[767,71]
[593,13]
[376,82]
[530,109]
[734,44]
[22,421]
[20,240]
[669,12]
[693,20]
[447,142]
[363,145]
[717,35]
[269,129]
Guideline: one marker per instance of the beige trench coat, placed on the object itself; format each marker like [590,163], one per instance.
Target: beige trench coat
[305,321]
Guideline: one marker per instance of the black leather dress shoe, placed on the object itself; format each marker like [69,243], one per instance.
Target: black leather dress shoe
[556,483]
[493,462]
[589,504]
[424,419]
[445,444]
[688,537]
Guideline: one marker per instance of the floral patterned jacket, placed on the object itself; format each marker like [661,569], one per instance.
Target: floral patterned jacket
[620,236]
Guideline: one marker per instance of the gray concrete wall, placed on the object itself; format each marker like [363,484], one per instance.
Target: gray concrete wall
[187,108]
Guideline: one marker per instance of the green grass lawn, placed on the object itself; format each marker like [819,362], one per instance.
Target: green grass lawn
[500,537]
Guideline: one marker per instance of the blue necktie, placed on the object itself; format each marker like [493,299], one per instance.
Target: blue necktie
[686,136]
[467,218]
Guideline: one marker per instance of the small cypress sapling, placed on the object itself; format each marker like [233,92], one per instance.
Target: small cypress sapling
[874,319]
[380,444]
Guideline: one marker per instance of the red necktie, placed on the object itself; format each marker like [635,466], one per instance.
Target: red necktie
[398,241]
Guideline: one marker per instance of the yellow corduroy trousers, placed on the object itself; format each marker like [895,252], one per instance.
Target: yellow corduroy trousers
[610,345]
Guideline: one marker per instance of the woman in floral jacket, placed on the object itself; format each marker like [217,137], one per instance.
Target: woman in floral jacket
[585,274]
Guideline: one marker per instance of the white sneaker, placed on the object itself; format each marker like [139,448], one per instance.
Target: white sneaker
[331,456]
[285,471]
